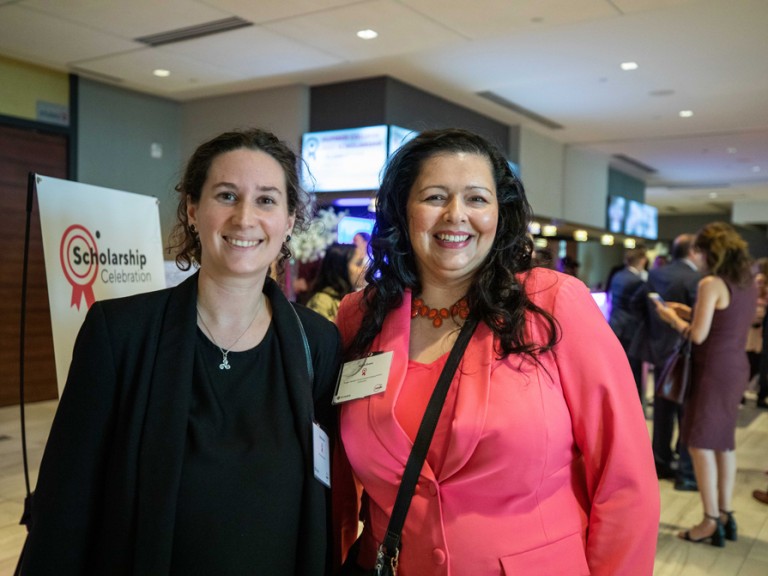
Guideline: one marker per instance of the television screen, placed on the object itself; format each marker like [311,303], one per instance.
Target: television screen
[617,213]
[343,160]
[642,220]
[399,136]
[351,225]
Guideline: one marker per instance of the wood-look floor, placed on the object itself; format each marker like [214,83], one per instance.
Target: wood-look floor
[747,557]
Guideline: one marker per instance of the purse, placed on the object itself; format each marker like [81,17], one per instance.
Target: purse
[675,380]
[387,555]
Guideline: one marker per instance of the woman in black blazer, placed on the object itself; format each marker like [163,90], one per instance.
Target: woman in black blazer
[183,442]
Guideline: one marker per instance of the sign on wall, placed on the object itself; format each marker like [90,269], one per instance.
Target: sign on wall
[98,243]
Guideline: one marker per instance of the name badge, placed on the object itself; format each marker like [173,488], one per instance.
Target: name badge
[363,377]
[322,454]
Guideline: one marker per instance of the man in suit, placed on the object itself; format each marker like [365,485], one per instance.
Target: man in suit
[626,316]
[675,282]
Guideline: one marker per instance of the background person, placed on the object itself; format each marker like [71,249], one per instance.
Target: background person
[183,440]
[724,309]
[339,267]
[755,336]
[541,462]
[626,316]
[675,282]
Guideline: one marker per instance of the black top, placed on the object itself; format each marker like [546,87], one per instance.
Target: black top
[238,508]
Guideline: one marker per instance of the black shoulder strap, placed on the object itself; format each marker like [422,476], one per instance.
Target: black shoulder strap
[423,439]
[310,367]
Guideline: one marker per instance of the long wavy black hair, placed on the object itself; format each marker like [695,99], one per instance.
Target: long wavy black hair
[496,295]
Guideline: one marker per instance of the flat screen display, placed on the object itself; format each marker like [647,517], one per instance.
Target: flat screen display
[642,220]
[343,160]
[399,136]
[617,213]
[351,225]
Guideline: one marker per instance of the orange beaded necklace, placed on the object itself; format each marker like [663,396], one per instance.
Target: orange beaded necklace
[459,308]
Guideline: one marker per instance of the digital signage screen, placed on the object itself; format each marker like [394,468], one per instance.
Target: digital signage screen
[616,214]
[343,160]
[351,225]
[399,136]
[642,220]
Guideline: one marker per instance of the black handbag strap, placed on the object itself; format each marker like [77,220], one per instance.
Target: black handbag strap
[423,439]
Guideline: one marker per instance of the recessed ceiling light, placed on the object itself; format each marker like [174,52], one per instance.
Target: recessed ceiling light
[686,113]
[367,34]
[629,66]
[630,243]
[161,73]
[606,240]
[580,235]
[534,228]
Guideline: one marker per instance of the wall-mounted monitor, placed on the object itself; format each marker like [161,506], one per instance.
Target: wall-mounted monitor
[642,220]
[351,225]
[343,160]
[616,214]
[399,136]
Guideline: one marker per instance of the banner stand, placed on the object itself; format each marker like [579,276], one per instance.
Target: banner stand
[25,517]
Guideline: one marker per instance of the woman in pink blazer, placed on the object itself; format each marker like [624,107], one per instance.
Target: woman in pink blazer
[541,461]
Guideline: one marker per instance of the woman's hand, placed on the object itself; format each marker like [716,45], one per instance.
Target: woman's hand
[683,311]
[667,312]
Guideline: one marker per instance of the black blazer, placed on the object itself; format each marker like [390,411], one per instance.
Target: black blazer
[105,501]
[625,316]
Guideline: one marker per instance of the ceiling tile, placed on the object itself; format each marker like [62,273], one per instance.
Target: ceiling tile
[129,19]
[252,52]
[400,30]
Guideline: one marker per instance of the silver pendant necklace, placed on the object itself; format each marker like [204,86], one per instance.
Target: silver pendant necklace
[224,353]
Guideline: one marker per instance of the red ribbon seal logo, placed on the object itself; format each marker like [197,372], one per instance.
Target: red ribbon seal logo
[80,270]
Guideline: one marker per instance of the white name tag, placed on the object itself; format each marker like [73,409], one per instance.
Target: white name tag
[363,377]
[322,454]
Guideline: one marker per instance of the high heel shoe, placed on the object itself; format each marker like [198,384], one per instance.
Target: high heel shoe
[717,538]
[730,528]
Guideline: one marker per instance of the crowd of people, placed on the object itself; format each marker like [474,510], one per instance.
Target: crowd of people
[202,429]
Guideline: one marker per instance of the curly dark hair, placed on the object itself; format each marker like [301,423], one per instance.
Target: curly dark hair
[495,296]
[183,240]
[725,252]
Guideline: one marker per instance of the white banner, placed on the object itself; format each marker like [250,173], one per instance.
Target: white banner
[98,244]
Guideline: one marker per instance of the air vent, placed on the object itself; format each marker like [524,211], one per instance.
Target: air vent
[635,163]
[517,109]
[198,31]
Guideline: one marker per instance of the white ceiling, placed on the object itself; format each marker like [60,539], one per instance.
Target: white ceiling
[558,59]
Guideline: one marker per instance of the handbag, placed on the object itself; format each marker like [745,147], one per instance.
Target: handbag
[675,380]
[387,555]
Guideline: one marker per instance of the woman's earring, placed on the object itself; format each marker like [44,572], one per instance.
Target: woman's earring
[193,229]
[288,238]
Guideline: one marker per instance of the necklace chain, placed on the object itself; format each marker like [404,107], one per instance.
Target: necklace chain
[224,353]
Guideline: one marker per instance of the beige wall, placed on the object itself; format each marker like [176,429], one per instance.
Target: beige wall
[284,111]
[24,85]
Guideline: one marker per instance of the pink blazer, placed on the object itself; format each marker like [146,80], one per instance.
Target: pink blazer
[549,467]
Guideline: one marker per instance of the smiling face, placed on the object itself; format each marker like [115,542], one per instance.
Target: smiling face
[452,215]
[242,216]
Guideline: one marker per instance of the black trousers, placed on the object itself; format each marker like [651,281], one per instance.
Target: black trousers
[665,414]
